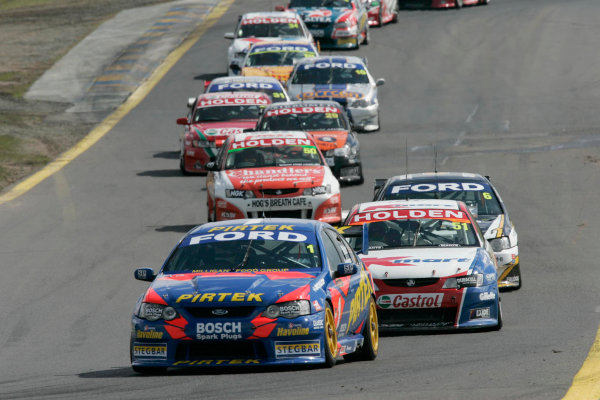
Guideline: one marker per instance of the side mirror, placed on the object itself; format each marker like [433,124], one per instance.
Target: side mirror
[379,183]
[346,269]
[280,8]
[380,82]
[211,166]
[183,121]
[144,274]
[206,84]
[235,67]
[229,35]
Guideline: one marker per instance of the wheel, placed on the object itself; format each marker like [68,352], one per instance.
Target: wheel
[380,15]
[361,180]
[149,370]
[459,3]
[396,11]
[484,2]
[330,338]
[182,166]
[499,326]
[367,39]
[370,347]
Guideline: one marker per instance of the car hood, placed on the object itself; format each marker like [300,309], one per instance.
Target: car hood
[276,177]
[419,262]
[338,92]
[280,72]
[231,288]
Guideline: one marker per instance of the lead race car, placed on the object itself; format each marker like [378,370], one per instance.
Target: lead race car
[326,121]
[345,79]
[211,119]
[255,292]
[431,266]
[483,201]
[263,26]
[335,24]
[272,174]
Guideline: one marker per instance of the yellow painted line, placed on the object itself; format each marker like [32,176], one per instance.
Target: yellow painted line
[586,384]
[109,122]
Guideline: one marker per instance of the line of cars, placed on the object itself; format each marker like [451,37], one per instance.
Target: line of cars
[269,280]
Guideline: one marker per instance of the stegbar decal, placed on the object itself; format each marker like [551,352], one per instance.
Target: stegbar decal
[305,348]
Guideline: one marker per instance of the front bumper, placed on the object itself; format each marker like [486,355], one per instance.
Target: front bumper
[260,341]
[346,169]
[509,276]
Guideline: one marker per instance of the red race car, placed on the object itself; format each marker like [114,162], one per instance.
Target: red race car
[212,118]
[381,12]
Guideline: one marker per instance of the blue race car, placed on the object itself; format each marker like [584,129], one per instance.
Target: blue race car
[337,24]
[255,292]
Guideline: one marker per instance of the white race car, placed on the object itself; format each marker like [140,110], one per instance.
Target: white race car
[263,26]
[272,174]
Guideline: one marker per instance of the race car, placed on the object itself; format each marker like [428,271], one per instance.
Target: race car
[265,84]
[335,24]
[276,59]
[431,266]
[213,117]
[272,174]
[484,202]
[253,293]
[382,11]
[263,26]
[441,3]
[344,79]
[326,121]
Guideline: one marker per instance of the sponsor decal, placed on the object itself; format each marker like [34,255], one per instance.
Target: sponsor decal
[302,110]
[490,278]
[281,48]
[306,348]
[245,85]
[232,102]
[318,324]
[189,363]
[487,296]
[327,65]
[480,313]
[158,351]
[223,132]
[269,20]
[330,93]
[438,187]
[466,281]
[298,175]
[411,300]
[454,215]
[219,297]
[316,306]
[270,143]
[148,334]
[361,298]
[301,202]
[298,331]
[318,285]
[252,235]
[343,328]
[349,348]
[218,330]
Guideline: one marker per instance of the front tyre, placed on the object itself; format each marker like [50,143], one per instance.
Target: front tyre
[459,3]
[330,338]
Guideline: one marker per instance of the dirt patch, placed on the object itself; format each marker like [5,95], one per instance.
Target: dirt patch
[35,34]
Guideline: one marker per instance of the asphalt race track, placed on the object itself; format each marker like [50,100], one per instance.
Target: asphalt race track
[510,90]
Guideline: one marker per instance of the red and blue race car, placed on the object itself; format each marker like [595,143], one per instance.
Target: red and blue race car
[255,292]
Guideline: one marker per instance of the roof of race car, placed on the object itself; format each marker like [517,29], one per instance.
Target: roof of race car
[420,204]
[312,103]
[242,137]
[426,177]
[270,14]
[305,225]
[233,95]
[244,79]
[332,59]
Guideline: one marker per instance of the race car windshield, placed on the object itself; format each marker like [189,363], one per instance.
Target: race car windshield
[321,3]
[420,233]
[303,122]
[276,58]
[245,255]
[326,76]
[256,157]
[269,30]
[480,203]
[275,94]
[226,113]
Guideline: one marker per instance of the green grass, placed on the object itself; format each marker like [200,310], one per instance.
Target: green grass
[11,152]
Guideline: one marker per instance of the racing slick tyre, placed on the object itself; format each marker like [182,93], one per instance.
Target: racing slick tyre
[361,178]
[367,39]
[182,165]
[380,16]
[484,2]
[396,11]
[499,326]
[459,3]
[370,347]
[331,344]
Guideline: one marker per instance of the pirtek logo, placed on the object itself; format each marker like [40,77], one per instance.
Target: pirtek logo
[220,297]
